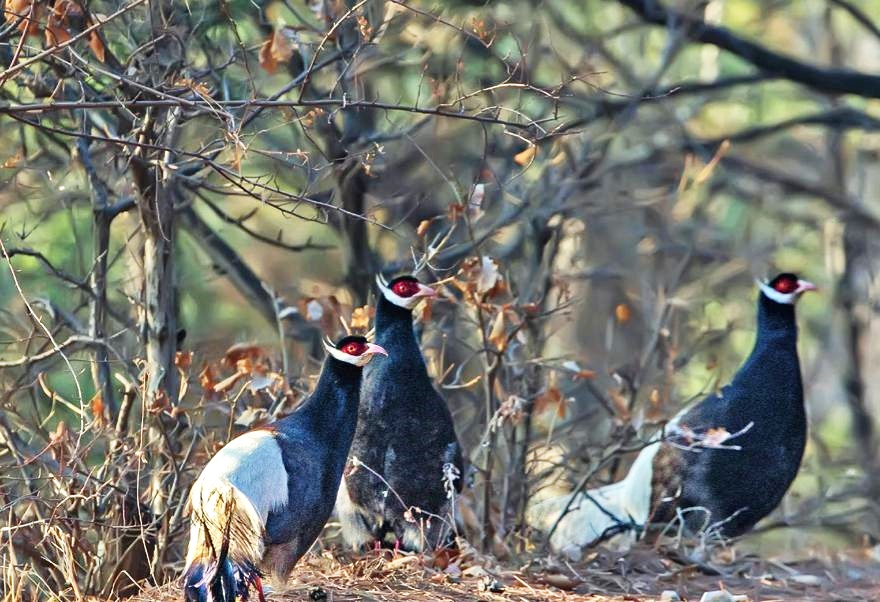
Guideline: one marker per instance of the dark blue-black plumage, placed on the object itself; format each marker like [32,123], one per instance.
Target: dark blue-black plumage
[405,435]
[765,403]
[723,464]
[264,498]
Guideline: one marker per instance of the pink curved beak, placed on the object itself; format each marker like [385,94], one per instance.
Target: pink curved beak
[371,348]
[804,286]
[426,291]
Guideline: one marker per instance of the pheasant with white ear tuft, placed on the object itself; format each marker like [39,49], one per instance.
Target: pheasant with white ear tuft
[729,459]
[263,499]
[409,460]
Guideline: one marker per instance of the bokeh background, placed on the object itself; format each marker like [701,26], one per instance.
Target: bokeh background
[193,193]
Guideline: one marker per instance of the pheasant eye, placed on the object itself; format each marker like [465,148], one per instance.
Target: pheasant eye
[354,348]
[405,288]
[785,283]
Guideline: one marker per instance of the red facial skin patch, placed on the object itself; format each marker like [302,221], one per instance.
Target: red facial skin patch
[405,288]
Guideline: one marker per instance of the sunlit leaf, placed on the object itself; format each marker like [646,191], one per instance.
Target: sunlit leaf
[497,334]
[525,157]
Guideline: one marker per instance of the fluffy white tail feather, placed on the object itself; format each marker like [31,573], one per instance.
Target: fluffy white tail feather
[233,497]
[222,515]
[627,501]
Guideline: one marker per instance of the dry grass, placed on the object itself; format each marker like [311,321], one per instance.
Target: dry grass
[640,576]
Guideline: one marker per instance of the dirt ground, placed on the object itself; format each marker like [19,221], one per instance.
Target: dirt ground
[640,576]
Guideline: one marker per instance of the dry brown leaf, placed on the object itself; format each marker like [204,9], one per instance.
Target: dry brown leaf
[584,374]
[497,335]
[622,312]
[30,25]
[55,34]
[98,410]
[561,581]
[12,161]
[525,157]
[455,211]
[360,318]
[208,378]
[715,437]
[423,227]
[308,120]
[364,28]
[267,58]
[241,351]
[183,359]
[199,88]
[60,433]
[16,8]
[276,49]
[551,399]
[159,402]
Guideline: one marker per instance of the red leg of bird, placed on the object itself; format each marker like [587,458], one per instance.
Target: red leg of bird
[396,545]
[258,584]
[377,546]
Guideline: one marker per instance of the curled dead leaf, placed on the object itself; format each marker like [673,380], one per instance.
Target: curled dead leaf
[276,49]
[497,334]
[525,157]
[715,437]
[241,351]
[183,359]
[12,161]
[96,404]
[584,374]
[551,399]
[360,318]
[208,377]
[622,313]
[561,581]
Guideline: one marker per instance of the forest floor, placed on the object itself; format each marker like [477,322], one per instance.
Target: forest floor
[640,576]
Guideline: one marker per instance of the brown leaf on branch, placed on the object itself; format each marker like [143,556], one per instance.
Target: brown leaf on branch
[242,351]
[55,34]
[423,227]
[275,50]
[360,318]
[30,25]
[66,15]
[715,437]
[584,374]
[208,378]
[497,333]
[12,161]
[96,404]
[183,360]
[526,156]
[551,399]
